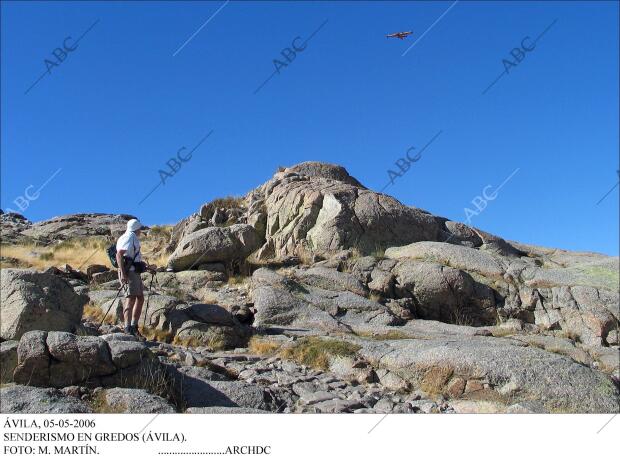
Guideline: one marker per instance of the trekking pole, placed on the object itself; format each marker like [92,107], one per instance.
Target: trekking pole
[146,309]
[110,307]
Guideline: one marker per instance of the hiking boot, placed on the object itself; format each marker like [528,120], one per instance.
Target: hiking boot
[128,330]
[136,333]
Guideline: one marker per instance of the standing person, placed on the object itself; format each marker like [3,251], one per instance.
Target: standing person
[130,264]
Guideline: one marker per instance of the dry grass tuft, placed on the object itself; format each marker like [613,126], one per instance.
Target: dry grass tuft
[503,332]
[462,318]
[237,279]
[160,232]
[378,253]
[261,346]
[154,245]
[99,404]
[151,377]
[81,252]
[569,334]
[230,202]
[95,314]
[390,335]
[435,379]
[75,252]
[157,335]
[185,341]
[305,254]
[315,352]
[214,343]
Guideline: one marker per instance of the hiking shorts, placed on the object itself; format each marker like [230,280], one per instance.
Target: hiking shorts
[134,281]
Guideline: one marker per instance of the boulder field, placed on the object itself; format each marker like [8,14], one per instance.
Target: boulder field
[313,293]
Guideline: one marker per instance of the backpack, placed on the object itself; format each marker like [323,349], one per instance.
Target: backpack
[111,251]
[139,266]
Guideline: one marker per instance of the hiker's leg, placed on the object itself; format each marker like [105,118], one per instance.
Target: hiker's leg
[136,290]
[137,310]
[128,309]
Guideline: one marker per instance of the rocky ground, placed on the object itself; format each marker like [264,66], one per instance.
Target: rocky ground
[312,293]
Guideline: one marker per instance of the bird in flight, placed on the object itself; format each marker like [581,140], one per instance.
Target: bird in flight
[400,35]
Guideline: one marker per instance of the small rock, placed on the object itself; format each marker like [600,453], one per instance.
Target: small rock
[474,385]
[425,406]
[337,406]
[128,400]
[612,337]
[21,399]
[71,391]
[317,396]
[455,387]
[415,396]
[304,388]
[8,360]
[365,410]
[190,360]
[384,405]
[527,407]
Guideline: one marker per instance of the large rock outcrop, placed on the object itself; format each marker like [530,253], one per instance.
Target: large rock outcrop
[8,360]
[16,228]
[496,369]
[60,359]
[186,320]
[201,388]
[214,244]
[321,209]
[12,226]
[574,292]
[324,170]
[315,209]
[131,400]
[77,225]
[21,399]
[314,300]
[450,283]
[359,304]
[32,300]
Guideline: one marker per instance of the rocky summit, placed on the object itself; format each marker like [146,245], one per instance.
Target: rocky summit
[311,293]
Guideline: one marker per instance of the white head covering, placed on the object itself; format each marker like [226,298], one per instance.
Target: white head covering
[133,225]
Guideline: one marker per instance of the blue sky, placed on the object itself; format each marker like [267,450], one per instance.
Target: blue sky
[105,120]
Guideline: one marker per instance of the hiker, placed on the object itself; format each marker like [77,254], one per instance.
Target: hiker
[130,266]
